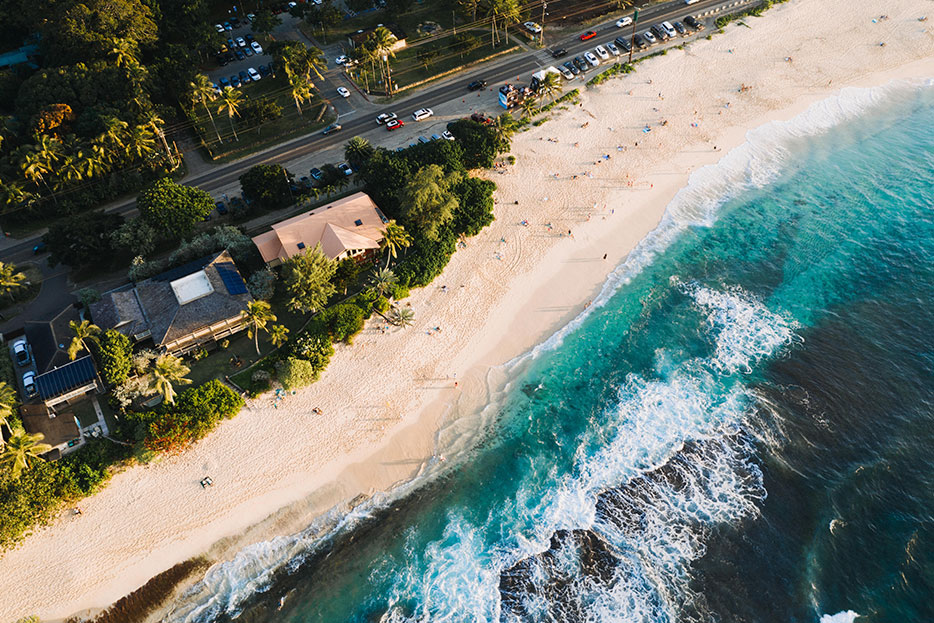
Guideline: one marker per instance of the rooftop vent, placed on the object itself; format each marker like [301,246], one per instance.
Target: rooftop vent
[358,222]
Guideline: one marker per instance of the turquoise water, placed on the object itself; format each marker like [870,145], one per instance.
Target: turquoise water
[739,429]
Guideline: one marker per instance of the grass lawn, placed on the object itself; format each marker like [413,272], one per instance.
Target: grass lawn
[254,135]
[408,68]
[85,413]
[425,11]
[19,297]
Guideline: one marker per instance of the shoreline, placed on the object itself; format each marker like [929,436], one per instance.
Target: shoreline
[542,283]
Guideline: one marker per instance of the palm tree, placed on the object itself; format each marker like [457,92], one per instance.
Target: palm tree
[528,107]
[402,316]
[21,450]
[278,335]
[124,52]
[257,315]
[504,127]
[549,85]
[7,400]
[113,136]
[363,54]
[10,278]
[140,142]
[166,370]
[394,238]
[231,100]
[84,332]
[357,151]
[203,91]
[12,193]
[301,89]
[382,281]
[154,121]
[382,42]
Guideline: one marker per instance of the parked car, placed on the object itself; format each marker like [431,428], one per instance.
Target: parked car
[559,53]
[256,47]
[568,74]
[422,113]
[436,137]
[250,17]
[225,83]
[254,75]
[588,35]
[342,60]
[385,117]
[21,352]
[264,70]
[239,54]
[316,173]
[659,32]
[29,384]
[649,37]
[241,42]
[343,92]
[248,52]
[221,59]
[423,140]
[345,168]
[640,41]
[249,37]
[613,49]
[394,124]
[235,22]
[680,28]
[235,81]
[623,22]
[532,27]
[447,136]
[693,23]
[669,29]
[582,65]
[476,85]
[593,60]
[228,26]
[571,67]
[221,207]
[244,77]
[602,53]
[690,1]
[331,129]
[218,28]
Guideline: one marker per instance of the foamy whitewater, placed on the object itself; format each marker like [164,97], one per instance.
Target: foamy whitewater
[682,450]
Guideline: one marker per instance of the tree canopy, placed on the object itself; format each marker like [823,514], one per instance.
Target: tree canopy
[81,240]
[267,185]
[172,208]
[307,279]
[427,202]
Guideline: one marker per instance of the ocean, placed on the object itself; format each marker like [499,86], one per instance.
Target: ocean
[739,428]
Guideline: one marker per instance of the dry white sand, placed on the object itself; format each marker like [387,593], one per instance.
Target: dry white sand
[383,398]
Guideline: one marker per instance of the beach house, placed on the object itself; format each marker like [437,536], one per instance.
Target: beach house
[357,38]
[180,310]
[59,430]
[350,227]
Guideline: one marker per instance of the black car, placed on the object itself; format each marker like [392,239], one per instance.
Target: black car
[248,37]
[571,67]
[624,43]
[264,70]
[221,59]
[239,54]
[235,22]
[221,208]
[680,28]
[693,23]
[660,33]
[582,65]
[640,41]
[476,85]
[245,77]
[559,53]
[316,173]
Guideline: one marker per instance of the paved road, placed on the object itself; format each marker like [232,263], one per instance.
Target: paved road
[522,65]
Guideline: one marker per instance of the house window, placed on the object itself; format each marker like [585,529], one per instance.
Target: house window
[301,245]
[358,222]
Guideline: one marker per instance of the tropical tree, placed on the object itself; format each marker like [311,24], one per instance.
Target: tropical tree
[301,90]
[402,316]
[427,200]
[140,142]
[528,107]
[154,121]
[7,400]
[357,152]
[84,332]
[113,138]
[10,278]
[173,208]
[124,52]
[278,335]
[548,87]
[315,61]
[231,100]
[201,90]
[307,279]
[504,126]
[383,281]
[382,40]
[257,315]
[166,371]
[21,450]
[394,238]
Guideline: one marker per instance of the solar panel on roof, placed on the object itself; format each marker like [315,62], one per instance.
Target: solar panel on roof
[231,278]
[66,378]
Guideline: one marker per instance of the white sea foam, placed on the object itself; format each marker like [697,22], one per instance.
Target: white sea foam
[841,617]
[754,164]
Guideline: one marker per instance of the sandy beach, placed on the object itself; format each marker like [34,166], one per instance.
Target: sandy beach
[591,171]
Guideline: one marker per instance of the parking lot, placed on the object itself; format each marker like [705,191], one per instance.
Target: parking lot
[235,67]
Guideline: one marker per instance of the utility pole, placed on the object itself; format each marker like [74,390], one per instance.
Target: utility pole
[542,40]
[632,38]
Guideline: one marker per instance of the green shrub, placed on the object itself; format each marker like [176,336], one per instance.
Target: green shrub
[195,413]
[399,292]
[316,348]
[115,354]
[294,373]
[381,305]
[476,205]
[425,259]
[342,321]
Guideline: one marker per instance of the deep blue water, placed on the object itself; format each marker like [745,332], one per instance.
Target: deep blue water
[740,429]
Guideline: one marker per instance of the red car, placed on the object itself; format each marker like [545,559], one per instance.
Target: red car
[394,124]
[588,35]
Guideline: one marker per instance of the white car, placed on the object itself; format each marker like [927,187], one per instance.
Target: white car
[386,117]
[565,72]
[649,37]
[593,60]
[218,28]
[690,1]
[21,352]
[342,60]
[257,47]
[241,42]
[447,136]
[343,92]
[626,21]
[345,168]
[532,27]
[602,53]
[29,384]
[613,49]
[422,113]
[669,30]
[250,17]
[254,75]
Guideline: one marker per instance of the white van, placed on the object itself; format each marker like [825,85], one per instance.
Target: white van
[669,30]
[422,113]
